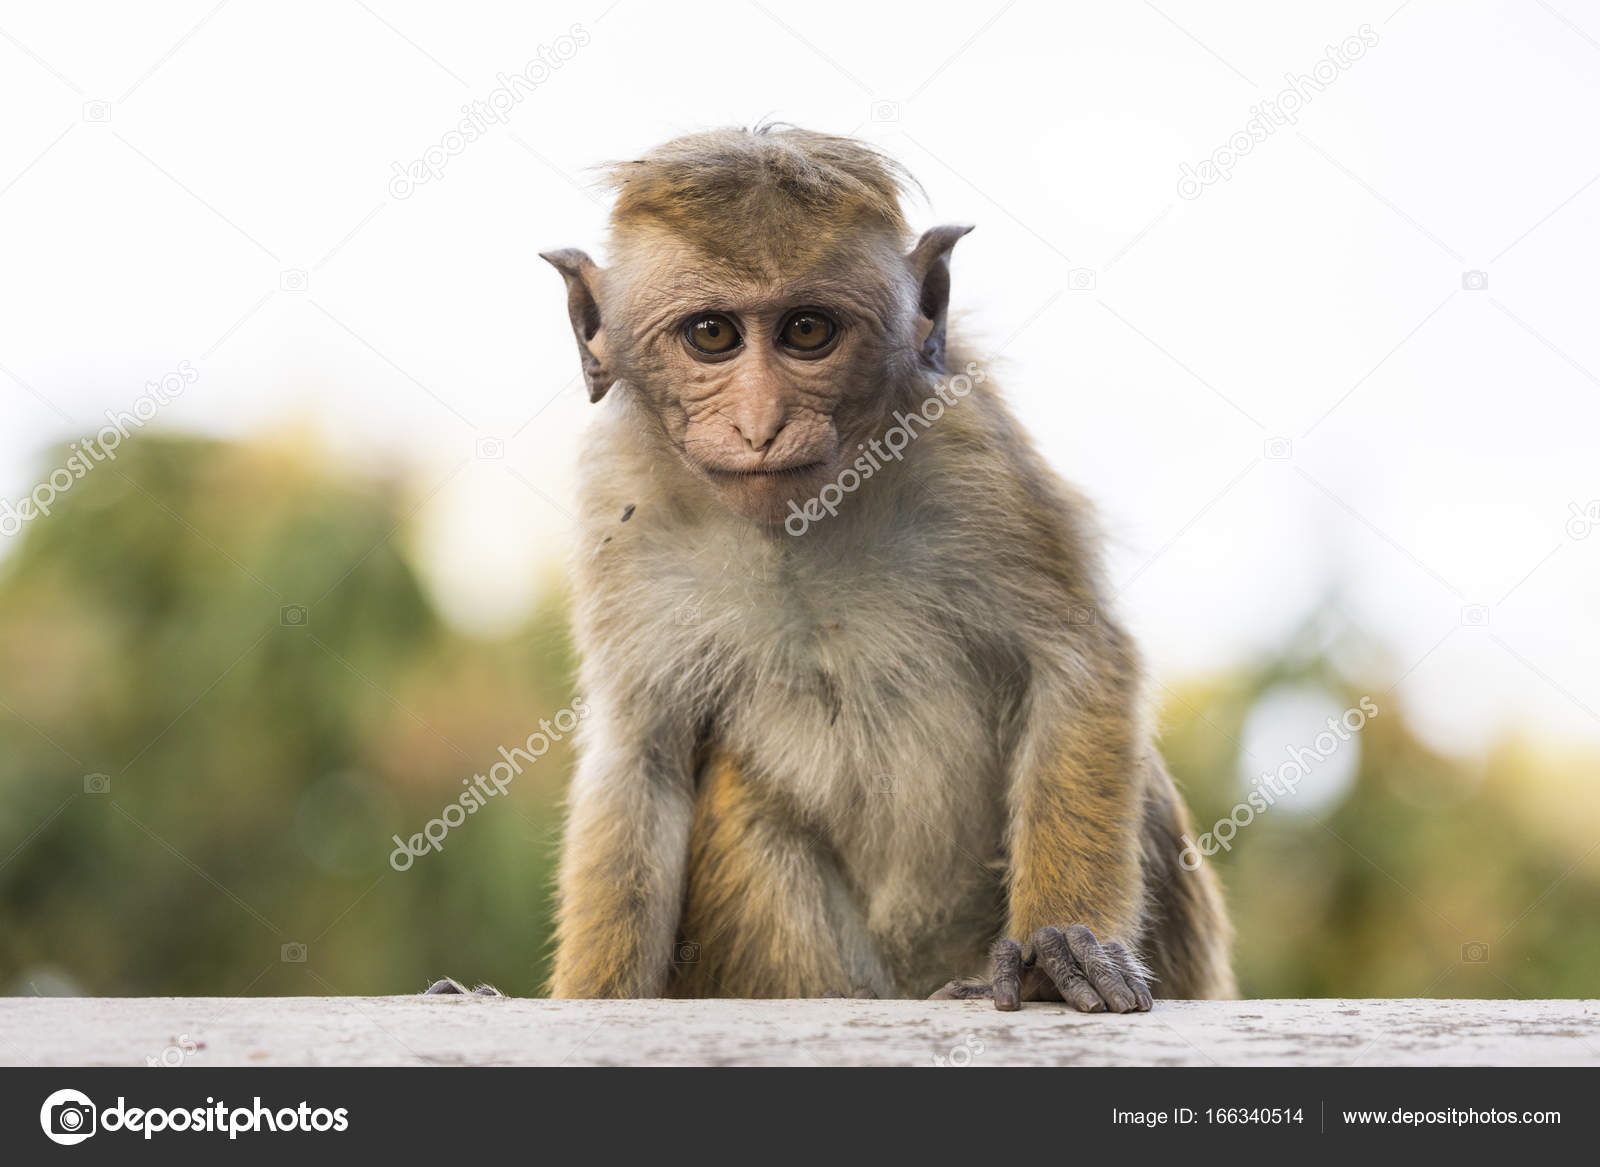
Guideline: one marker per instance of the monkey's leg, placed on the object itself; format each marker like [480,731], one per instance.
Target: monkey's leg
[1189,937]
[765,914]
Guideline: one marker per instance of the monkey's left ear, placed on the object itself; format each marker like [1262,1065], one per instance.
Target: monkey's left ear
[930,265]
[581,275]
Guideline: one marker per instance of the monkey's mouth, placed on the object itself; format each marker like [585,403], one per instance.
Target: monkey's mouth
[778,473]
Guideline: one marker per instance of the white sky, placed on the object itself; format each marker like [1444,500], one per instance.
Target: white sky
[1438,434]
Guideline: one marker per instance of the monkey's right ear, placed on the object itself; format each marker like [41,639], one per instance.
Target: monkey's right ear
[930,265]
[581,275]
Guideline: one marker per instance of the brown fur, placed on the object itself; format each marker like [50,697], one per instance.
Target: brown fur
[1190,938]
[868,751]
[754,902]
[728,188]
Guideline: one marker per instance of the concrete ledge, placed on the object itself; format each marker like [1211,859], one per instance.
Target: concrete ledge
[456,1031]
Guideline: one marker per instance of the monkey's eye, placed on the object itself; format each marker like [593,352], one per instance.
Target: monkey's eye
[807,331]
[712,333]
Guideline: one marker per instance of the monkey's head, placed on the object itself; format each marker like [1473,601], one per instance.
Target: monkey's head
[762,305]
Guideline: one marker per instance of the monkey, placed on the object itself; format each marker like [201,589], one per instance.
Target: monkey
[862,719]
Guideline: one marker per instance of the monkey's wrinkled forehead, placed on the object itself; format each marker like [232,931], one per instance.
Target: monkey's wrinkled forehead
[754,198]
[769,252]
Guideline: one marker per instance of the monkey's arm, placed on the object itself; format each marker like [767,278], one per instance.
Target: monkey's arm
[1075,879]
[622,869]
[1074,805]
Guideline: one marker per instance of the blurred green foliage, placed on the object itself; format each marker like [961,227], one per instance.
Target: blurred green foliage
[223,691]
[1434,876]
[231,641]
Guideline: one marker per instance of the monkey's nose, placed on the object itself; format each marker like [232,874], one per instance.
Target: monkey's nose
[759,436]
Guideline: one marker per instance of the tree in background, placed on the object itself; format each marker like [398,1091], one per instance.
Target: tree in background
[222,691]
[1428,876]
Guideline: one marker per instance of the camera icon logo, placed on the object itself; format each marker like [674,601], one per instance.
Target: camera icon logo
[883,783]
[686,952]
[886,111]
[1475,616]
[68,1117]
[491,449]
[1082,615]
[1475,281]
[292,953]
[293,280]
[294,616]
[1082,279]
[1277,449]
[1475,952]
[97,783]
[97,111]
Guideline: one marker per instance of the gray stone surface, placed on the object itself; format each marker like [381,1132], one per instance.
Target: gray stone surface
[327,1031]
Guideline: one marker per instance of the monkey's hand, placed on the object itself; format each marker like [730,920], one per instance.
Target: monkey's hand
[451,987]
[1064,965]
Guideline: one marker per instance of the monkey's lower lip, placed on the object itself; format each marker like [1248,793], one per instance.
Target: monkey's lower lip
[781,472]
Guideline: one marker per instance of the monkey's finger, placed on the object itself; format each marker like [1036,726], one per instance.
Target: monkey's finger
[1056,958]
[1101,969]
[865,994]
[1134,973]
[831,993]
[963,990]
[1007,957]
[447,987]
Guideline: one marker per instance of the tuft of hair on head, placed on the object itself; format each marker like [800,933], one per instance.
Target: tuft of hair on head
[721,184]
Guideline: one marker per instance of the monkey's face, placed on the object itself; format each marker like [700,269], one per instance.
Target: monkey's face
[766,350]
[763,377]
